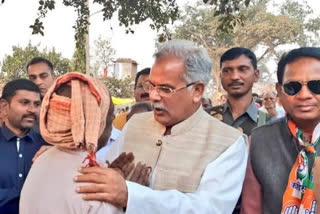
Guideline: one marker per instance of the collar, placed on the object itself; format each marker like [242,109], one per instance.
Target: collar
[252,110]
[188,123]
[9,135]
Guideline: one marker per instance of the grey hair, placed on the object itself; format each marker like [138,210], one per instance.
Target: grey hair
[273,93]
[196,59]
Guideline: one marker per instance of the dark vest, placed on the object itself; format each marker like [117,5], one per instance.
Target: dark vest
[273,152]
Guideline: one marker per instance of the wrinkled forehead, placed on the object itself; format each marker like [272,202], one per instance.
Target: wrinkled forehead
[167,69]
[269,95]
[27,95]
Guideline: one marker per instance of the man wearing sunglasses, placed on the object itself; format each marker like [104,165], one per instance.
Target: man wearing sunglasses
[190,153]
[279,176]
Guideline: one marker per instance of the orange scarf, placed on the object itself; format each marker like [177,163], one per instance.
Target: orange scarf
[75,122]
[299,196]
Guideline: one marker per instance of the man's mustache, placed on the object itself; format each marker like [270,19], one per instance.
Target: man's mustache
[30,115]
[159,107]
[235,83]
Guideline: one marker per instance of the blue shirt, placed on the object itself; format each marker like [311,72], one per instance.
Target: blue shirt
[15,162]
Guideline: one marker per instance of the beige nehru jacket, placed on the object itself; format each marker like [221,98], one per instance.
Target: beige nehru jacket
[179,159]
[49,187]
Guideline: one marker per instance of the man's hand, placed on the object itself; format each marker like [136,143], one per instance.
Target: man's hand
[124,163]
[272,111]
[107,185]
[40,152]
[141,174]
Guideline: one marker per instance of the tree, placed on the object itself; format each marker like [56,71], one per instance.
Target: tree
[228,12]
[120,88]
[14,65]
[261,30]
[160,12]
[103,54]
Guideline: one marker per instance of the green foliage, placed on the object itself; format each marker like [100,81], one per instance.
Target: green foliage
[160,12]
[130,12]
[259,30]
[79,57]
[120,88]
[228,12]
[14,65]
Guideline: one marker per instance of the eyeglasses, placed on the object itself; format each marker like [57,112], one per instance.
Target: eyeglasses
[292,88]
[163,91]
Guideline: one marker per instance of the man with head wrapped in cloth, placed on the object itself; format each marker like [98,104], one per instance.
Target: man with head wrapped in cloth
[76,116]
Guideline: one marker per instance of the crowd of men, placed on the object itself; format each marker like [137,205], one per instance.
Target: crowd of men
[173,152]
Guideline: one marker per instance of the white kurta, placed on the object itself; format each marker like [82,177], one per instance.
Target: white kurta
[218,192]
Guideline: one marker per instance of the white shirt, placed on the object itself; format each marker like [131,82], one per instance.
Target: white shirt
[218,192]
[101,154]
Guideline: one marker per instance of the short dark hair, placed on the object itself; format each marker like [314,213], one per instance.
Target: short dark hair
[37,60]
[145,71]
[293,55]
[11,87]
[234,53]
[144,105]
[255,95]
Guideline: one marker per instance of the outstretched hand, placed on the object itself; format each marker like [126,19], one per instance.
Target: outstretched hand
[123,164]
[141,174]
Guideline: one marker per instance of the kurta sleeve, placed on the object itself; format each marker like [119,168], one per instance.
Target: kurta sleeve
[218,192]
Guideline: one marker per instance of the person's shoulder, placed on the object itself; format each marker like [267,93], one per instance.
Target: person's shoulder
[216,111]
[220,128]
[279,122]
[37,138]
[216,108]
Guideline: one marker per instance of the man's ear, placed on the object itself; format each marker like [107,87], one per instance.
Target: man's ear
[257,75]
[4,106]
[279,89]
[198,90]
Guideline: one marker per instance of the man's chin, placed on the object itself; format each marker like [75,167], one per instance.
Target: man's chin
[43,92]
[27,125]
[162,119]
[236,94]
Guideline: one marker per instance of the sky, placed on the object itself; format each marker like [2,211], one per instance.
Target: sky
[17,15]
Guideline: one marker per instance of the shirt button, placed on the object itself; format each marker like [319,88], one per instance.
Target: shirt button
[20,155]
[159,143]
[20,175]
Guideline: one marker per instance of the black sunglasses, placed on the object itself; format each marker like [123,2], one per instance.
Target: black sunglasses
[292,88]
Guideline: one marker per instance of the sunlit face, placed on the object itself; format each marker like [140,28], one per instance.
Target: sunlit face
[305,105]
[169,71]
[238,76]
[41,75]
[23,110]
[139,93]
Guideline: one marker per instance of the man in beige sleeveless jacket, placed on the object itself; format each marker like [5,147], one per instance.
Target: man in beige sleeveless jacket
[198,163]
